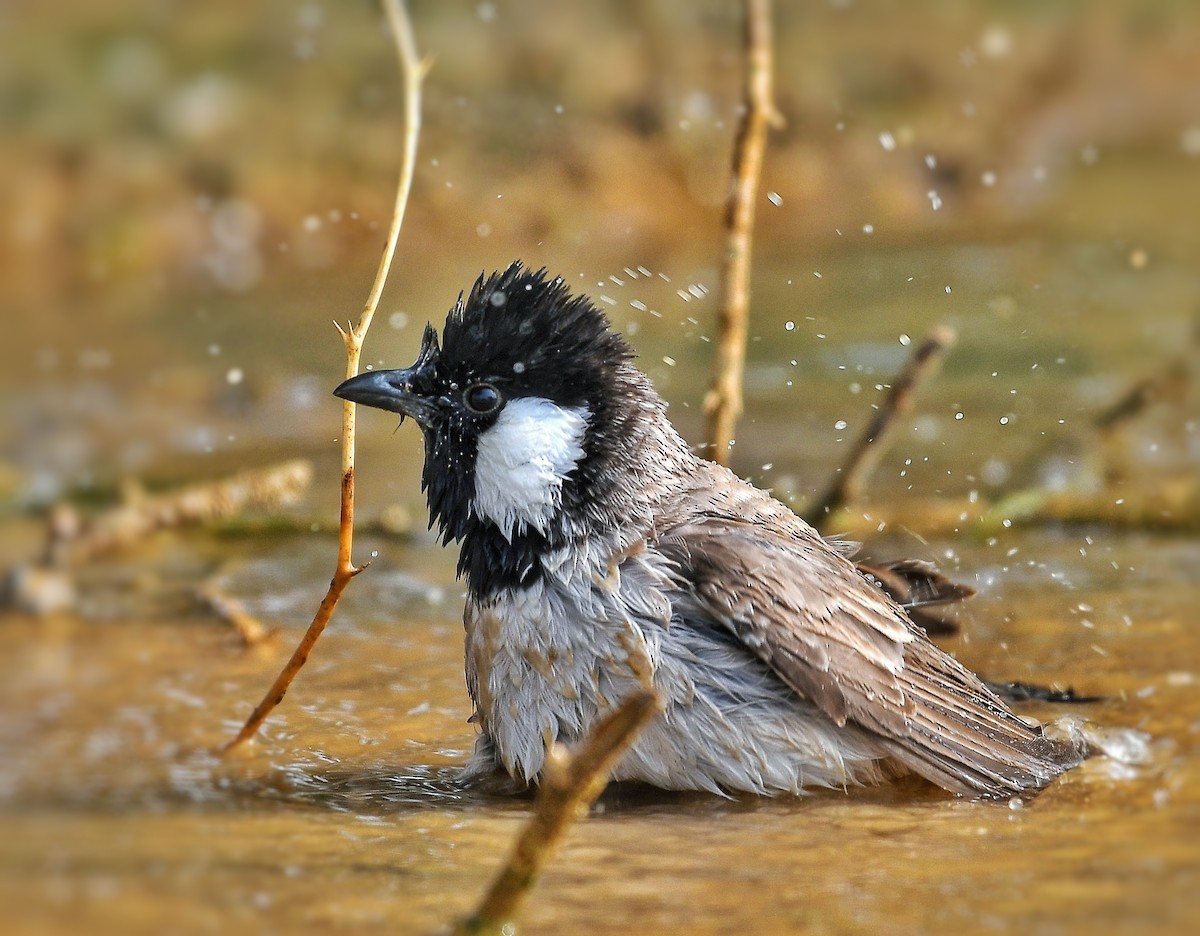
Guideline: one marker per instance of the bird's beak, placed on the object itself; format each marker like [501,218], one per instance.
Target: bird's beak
[398,391]
[390,390]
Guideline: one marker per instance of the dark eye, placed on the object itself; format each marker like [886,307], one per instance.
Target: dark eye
[481,398]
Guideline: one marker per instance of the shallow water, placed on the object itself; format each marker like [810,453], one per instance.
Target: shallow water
[127,355]
[348,812]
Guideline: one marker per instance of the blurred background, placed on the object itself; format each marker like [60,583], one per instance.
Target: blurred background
[192,192]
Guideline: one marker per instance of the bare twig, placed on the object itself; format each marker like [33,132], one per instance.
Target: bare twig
[864,456]
[1171,383]
[250,630]
[47,584]
[570,783]
[1172,503]
[723,403]
[143,514]
[413,72]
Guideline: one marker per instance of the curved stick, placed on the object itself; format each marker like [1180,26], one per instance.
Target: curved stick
[413,72]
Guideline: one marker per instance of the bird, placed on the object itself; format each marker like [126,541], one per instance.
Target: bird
[601,555]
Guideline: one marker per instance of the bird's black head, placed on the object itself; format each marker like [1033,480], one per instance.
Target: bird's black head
[515,405]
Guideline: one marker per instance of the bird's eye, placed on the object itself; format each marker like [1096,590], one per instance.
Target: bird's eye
[481,398]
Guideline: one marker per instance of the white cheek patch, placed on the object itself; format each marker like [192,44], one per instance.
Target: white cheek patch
[521,462]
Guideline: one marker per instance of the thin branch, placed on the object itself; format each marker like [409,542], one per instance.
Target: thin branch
[851,478]
[250,630]
[723,403]
[571,781]
[1171,383]
[413,72]
[142,515]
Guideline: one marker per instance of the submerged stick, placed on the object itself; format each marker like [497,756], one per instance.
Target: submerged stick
[571,782]
[723,403]
[851,478]
[412,72]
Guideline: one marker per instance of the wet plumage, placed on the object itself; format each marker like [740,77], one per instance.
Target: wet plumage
[600,553]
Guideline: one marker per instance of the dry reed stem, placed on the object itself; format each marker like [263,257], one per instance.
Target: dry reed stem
[851,478]
[571,782]
[723,402]
[143,514]
[413,72]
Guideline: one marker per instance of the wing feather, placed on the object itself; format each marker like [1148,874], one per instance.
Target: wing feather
[836,638]
[921,590]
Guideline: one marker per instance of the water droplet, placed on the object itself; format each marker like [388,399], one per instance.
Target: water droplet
[887,141]
[775,198]
[234,376]
[840,424]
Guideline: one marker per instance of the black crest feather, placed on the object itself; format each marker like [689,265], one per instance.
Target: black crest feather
[519,327]
[527,335]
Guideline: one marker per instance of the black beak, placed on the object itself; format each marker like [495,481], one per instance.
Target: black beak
[399,391]
[391,390]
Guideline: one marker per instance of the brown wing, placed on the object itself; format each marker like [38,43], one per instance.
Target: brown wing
[921,590]
[837,639]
